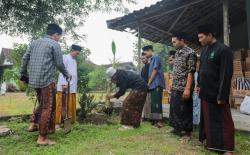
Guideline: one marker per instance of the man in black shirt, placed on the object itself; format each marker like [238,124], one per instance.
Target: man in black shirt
[133,103]
[214,82]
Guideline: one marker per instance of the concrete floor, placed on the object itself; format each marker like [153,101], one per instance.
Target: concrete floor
[241,121]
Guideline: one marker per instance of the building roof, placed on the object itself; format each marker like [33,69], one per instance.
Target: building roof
[160,20]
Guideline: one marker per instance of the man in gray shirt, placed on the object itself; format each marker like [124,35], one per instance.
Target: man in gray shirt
[38,69]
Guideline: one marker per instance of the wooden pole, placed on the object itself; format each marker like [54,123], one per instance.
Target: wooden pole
[248,20]
[139,48]
[226,22]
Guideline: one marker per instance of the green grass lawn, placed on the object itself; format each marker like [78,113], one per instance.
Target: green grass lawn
[89,139]
[19,103]
[15,104]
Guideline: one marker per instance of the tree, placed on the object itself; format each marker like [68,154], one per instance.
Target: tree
[1,74]
[86,100]
[31,17]
[13,73]
[114,61]
[83,69]
[17,53]
[97,79]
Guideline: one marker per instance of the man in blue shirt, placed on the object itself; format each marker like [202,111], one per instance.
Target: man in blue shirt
[156,85]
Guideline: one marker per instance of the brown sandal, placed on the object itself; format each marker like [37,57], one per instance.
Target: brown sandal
[33,128]
[158,125]
[47,143]
[185,139]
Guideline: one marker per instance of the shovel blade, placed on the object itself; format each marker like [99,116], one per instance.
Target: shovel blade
[67,125]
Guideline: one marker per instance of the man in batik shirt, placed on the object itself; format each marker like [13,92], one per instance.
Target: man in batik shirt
[181,104]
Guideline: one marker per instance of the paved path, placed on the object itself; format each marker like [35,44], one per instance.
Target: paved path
[241,121]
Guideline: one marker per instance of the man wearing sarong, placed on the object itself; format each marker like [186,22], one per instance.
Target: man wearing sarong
[156,84]
[146,115]
[134,102]
[70,63]
[181,103]
[38,68]
[216,68]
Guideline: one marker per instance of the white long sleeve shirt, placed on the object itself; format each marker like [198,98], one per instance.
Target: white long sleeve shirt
[71,67]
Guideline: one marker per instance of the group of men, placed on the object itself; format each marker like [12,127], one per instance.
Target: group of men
[210,78]
[39,65]
[44,56]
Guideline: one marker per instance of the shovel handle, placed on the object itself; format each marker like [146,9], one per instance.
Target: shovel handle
[68,98]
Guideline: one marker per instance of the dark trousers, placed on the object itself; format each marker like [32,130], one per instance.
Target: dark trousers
[181,112]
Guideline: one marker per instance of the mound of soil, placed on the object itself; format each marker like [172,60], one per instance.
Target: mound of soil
[98,119]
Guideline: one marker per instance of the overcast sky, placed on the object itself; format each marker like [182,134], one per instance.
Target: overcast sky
[99,37]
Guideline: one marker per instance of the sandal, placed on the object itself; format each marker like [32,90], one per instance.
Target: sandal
[185,139]
[175,132]
[158,125]
[204,143]
[228,153]
[124,128]
[47,143]
[33,128]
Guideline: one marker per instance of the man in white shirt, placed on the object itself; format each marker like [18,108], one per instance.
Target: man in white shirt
[70,63]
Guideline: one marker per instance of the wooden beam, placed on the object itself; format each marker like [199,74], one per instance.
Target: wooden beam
[168,34]
[177,19]
[226,22]
[156,28]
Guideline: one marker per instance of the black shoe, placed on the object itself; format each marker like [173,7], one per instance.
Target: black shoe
[185,134]
[145,120]
[175,132]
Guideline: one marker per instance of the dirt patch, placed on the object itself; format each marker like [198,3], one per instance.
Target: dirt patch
[98,119]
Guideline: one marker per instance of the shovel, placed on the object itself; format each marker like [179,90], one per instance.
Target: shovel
[65,112]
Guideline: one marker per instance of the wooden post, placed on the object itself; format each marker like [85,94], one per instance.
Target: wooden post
[226,22]
[248,20]
[139,48]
